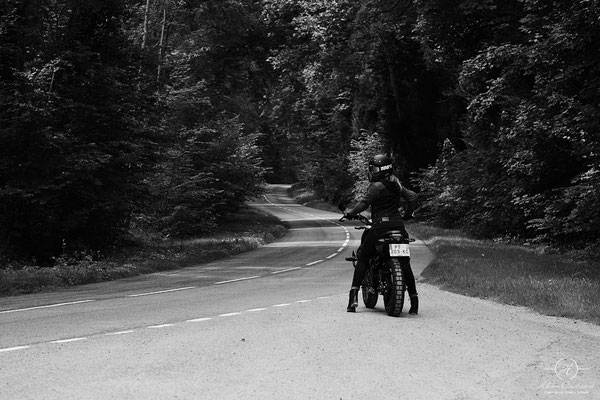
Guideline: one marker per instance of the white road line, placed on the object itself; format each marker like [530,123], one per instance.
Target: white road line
[282,305]
[119,333]
[198,319]
[77,339]
[285,270]
[5,350]
[331,256]
[236,280]
[313,263]
[160,326]
[161,291]
[302,301]
[47,306]
[256,309]
[230,314]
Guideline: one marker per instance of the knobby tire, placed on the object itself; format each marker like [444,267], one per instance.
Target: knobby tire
[394,296]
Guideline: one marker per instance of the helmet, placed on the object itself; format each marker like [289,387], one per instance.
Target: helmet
[380,167]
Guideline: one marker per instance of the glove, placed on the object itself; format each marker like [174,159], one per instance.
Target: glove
[349,216]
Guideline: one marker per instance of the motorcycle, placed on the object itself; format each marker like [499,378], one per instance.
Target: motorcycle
[387,269]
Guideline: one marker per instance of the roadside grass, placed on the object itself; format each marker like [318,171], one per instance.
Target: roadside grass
[243,231]
[308,198]
[559,285]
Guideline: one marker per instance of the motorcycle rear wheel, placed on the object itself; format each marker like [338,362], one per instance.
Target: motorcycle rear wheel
[393,297]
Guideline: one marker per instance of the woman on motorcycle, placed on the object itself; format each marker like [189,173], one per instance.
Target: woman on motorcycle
[384,195]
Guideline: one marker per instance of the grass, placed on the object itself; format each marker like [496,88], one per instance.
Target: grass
[244,231]
[552,284]
[308,198]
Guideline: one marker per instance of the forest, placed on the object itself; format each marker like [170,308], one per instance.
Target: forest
[165,115]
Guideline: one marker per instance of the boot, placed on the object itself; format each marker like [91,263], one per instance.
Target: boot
[352,300]
[414,304]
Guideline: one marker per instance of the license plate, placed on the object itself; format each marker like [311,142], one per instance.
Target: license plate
[399,250]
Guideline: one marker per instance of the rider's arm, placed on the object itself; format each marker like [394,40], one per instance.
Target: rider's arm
[365,202]
[411,202]
[358,208]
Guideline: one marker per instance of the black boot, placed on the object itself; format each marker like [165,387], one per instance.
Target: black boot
[353,300]
[414,304]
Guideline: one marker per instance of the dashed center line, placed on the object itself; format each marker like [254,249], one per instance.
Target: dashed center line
[130,331]
[237,280]
[162,291]
[6,350]
[230,314]
[198,319]
[285,270]
[119,333]
[77,339]
[47,306]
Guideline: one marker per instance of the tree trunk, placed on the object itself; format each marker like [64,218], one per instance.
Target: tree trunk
[161,45]
[143,46]
[145,28]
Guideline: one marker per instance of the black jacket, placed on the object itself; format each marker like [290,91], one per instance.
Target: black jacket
[385,198]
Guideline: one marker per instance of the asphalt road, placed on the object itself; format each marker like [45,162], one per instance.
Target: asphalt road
[271,324]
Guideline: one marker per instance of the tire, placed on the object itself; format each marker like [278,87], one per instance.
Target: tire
[393,297]
[369,293]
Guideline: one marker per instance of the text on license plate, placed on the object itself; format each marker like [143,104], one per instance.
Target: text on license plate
[399,250]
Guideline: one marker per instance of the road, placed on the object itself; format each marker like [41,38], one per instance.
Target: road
[271,324]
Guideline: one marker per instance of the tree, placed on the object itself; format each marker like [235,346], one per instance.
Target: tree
[71,140]
[530,158]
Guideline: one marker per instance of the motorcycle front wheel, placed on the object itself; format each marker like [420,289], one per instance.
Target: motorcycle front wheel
[393,297]
[369,292]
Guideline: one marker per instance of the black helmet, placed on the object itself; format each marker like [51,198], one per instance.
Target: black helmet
[380,167]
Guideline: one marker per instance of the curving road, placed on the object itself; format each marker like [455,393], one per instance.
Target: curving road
[271,324]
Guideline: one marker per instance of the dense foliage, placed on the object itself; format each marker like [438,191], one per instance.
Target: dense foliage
[120,114]
[167,114]
[72,144]
[531,92]
[490,107]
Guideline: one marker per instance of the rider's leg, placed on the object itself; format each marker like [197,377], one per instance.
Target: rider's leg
[352,300]
[411,288]
[367,249]
[359,273]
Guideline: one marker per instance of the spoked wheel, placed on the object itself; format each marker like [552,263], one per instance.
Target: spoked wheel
[369,293]
[393,297]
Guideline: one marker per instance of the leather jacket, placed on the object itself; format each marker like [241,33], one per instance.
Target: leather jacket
[385,198]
